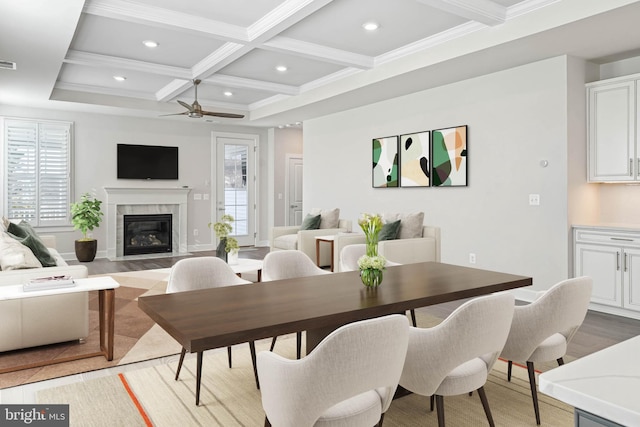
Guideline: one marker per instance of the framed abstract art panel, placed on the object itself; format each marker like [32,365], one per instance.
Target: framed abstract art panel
[415,159]
[385,162]
[449,157]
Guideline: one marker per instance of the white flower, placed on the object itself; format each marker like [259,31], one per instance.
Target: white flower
[371,262]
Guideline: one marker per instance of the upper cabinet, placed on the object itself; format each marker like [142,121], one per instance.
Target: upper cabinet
[614,155]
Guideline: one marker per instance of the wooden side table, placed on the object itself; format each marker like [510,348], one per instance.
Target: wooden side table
[329,239]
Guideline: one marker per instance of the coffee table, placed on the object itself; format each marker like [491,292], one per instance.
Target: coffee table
[245,265]
[105,286]
[219,317]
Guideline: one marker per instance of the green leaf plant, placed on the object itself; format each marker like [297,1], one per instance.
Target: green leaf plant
[86,214]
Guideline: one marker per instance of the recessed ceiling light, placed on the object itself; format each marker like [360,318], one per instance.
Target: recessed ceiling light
[281,68]
[228,93]
[120,78]
[370,26]
[150,43]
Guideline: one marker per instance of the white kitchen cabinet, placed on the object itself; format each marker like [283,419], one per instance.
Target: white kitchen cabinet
[611,257]
[612,145]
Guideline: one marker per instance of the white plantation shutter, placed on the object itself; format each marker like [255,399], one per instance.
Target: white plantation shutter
[38,171]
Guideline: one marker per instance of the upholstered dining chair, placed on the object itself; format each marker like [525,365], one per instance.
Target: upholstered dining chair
[541,330]
[349,378]
[455,357]
[349,256]
[289,264]
[202,273]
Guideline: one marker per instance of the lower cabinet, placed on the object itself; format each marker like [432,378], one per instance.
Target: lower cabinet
[612,259]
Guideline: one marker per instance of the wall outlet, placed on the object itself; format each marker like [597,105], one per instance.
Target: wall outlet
[205,196]
[195,231]
[197,196]
[472,258]
[534,199]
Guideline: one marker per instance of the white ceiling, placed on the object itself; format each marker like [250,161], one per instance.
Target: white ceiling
[68,51]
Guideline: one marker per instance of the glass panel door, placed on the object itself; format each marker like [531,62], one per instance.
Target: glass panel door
[235,185]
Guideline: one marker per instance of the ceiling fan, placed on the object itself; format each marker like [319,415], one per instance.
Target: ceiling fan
[195,110]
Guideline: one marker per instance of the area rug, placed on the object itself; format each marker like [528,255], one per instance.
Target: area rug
[151,396]
[137,338]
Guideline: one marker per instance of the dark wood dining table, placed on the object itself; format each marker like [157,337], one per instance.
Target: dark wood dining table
[219,317]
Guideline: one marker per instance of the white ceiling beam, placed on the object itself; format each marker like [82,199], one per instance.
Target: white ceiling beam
[164,18]
[173,89]
[484,11]
[243,83]
[282,17]
[97,61]
[318,52]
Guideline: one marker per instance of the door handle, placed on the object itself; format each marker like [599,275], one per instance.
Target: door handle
[618,261]
[625,261]
[294,206]
[221,209]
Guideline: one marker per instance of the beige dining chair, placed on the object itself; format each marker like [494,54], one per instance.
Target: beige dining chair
[542,330]
[349,256]
[455,357]
[349,379]
[289,264]
[203,273]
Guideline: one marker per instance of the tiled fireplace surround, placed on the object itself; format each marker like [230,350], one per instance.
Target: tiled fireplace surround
[139,201]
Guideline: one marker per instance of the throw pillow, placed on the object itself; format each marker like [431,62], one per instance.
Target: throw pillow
[25,234]
[389,231]
[14,255]
[311,222]
[330,218]
[410,224]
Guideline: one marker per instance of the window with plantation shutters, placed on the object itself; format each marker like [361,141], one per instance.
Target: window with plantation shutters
[37,171]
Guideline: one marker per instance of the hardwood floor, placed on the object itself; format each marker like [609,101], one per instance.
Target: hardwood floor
[598,331]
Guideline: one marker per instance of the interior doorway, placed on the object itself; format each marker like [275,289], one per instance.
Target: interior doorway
[294,190]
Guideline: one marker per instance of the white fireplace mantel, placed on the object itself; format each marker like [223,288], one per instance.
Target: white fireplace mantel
[146,200]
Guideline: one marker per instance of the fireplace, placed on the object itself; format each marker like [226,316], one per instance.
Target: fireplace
[147,234]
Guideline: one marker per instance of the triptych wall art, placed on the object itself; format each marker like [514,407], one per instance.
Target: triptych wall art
[436,158]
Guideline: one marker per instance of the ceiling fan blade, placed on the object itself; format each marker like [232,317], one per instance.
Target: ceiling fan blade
[185,105]
[226,115]
[174,114]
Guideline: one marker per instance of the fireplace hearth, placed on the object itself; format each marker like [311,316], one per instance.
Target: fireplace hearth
[147,234]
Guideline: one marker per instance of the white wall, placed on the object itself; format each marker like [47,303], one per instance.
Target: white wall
[515,118]
[96,136]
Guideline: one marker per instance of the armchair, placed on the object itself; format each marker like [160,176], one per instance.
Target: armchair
[291,237]
[402,251]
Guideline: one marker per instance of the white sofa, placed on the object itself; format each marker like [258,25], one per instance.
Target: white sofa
[401,251]
[291,237]
[38,321]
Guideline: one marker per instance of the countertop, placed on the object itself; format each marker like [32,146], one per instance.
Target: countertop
[610,226]
[605,383]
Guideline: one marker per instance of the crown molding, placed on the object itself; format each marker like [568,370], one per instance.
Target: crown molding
[98,61]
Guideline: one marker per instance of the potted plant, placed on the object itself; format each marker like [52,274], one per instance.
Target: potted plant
[85,216]
[227,244]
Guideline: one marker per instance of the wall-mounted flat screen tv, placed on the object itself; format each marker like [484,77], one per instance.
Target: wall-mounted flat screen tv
[147,162]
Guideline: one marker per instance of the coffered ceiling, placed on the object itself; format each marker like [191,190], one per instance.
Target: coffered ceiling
[68,52]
